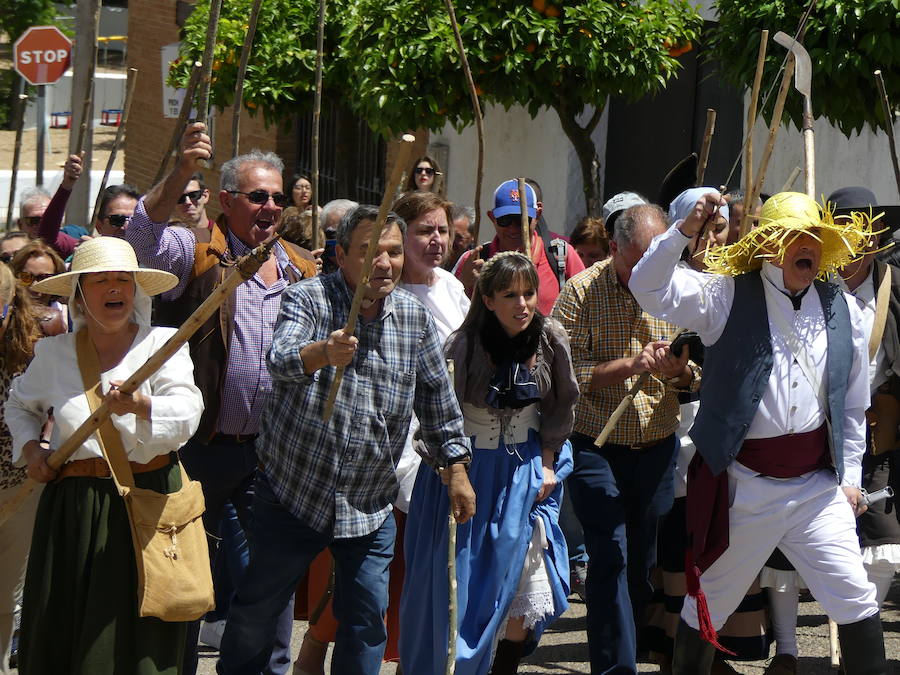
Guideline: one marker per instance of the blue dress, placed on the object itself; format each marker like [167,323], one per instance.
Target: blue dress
[491,548]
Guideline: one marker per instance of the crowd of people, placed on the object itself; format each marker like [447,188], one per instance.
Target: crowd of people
[474,388]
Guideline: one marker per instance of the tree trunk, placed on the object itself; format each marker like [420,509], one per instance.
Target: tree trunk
[581,140]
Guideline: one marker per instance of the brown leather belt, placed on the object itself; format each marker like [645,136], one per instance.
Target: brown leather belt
[96,467]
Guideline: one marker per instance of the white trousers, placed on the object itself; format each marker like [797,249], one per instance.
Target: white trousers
[810,519]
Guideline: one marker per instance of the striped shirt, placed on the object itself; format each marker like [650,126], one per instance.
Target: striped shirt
[340,477]
[606,323]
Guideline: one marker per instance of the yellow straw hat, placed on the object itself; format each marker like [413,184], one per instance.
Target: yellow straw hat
[106,254]
[784,217]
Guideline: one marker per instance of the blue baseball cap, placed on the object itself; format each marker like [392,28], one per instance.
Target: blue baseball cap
[506,199]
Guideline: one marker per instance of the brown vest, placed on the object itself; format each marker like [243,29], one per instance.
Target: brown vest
[209,345]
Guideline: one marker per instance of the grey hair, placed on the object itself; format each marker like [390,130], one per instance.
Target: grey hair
[29,196]
[352,219]
[336,207]
[738,197]
[627,224]
[467,212]
[229,177]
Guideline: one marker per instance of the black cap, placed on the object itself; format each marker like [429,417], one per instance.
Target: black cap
[846,200]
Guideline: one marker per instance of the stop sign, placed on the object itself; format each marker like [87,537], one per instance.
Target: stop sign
[41,54]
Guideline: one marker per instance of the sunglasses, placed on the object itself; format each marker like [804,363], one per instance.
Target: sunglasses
[6,257]
[27,279]
[427,170]
[32,221]
[509,221]
[194,196]
[118,220]
[262,197]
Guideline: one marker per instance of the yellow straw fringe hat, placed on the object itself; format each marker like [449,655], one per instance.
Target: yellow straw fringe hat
[784,217]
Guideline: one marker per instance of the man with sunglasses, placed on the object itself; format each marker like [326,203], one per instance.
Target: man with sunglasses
[229,351]
[507,218]
[191,210]
[32,204]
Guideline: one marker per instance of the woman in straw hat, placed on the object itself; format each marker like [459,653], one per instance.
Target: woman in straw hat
[785,353]
[80,603]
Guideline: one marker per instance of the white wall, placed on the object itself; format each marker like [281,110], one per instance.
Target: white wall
[515,145]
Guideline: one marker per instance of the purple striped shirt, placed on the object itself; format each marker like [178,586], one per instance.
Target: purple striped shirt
[247,381]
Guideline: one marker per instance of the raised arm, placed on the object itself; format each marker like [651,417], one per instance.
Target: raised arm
[51,221]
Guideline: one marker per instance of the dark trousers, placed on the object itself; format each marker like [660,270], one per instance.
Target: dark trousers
[619,494]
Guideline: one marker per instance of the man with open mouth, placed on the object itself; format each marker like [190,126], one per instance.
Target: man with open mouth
[780,433]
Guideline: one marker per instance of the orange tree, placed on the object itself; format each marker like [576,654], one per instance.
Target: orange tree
[394,62]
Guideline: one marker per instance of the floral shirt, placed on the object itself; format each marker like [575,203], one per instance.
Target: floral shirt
[10,476]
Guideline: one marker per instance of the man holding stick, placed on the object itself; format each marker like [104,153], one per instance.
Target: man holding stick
[620,490]
[332,484]
[781,428]
[229,350]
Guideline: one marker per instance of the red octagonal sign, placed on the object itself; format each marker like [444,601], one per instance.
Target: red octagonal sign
[42,54]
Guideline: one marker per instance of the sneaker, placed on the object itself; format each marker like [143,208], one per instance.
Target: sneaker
[211,633]
[782,664]
[577,578]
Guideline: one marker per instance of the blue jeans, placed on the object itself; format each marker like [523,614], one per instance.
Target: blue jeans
[281,550]
[619,494]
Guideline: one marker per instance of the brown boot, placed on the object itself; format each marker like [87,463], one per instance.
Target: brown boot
[506,660]
[311,659]
[782,664]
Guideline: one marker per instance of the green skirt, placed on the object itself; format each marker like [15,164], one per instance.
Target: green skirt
[79,610]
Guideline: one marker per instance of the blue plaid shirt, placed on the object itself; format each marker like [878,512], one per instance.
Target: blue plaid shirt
[339,477]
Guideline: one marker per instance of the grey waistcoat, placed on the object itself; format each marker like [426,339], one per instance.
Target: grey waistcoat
[736,370]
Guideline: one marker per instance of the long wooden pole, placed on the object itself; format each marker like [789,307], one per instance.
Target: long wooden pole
[242,71]
[707,143]
[212,29]
[452,600]
[526,221]
[791,179]
[751,122]
[245,268]
[117,143]
[476,111]
[317,121]
[888,124]
[401,160]
[177,132]
[87,114]
[17,151]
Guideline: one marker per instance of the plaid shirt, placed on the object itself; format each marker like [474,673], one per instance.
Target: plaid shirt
[605,323]
[339,477]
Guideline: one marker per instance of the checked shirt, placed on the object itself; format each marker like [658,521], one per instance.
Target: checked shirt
[339,477]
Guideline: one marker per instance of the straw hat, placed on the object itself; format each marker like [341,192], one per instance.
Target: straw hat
[106,254]
[784,217]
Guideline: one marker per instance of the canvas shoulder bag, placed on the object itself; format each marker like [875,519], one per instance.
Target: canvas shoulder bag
[170,548]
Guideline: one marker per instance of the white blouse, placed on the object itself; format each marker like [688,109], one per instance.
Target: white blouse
[53,380]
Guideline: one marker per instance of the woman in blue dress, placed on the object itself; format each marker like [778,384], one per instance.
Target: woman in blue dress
[515,384]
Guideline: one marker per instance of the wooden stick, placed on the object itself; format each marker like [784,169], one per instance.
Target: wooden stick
[629,397]
[453,600]
[17,152]
[834,646]
[707,142]
[888,124]
[479,120]
[773,132]
[245,268]
[751,122]
[177,132]
[117,143]
[526,221]
[401,160]
[87,114]
[317,120]
[212,28]
[242,71]
[791,179]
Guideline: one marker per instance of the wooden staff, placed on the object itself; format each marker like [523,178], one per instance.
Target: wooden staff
[177,132]
[773,132]
[245,268]
[751,122]
[479,121]
[212,28]
[888,124]
[242,70]
[87,114]
[401,160]
[17,153]
[453,601]
[526,221]
[629,397]
[117,143]
[707,142]
[317,120]
[791,179]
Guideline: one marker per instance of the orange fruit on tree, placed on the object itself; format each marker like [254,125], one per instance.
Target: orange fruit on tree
[539,5]
[553,12]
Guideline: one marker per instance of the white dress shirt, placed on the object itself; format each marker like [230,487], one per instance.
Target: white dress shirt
[703,302]
[864,296]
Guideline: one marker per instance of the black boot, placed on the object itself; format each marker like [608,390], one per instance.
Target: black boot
[692,654]
[862,647]
[506,660]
